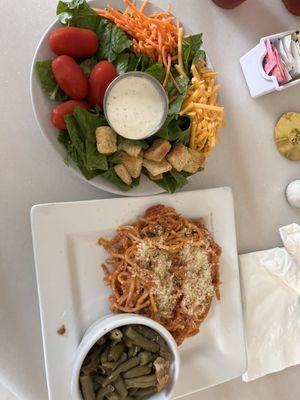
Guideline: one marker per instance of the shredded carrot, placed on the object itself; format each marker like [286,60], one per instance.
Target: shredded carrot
[168,71]
[155,35]
[143,6]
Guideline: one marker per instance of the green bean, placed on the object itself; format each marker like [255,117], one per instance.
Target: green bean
[104,392]
[146,357]
[138,371]
[152,335]
[115,352]
[134,350]
[145,392]
[104,356]
[87,387]
[141,382]
[99,378]
[131,363]
[113,396]
[93,361]
[116,335]
[141,341]
[120,387]
[131,391]
[128,342]
[114,364]
[102,340]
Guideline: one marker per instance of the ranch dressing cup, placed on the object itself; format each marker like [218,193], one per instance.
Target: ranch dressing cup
[135,105]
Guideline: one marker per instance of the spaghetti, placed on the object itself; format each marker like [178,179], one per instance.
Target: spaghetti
[165,267]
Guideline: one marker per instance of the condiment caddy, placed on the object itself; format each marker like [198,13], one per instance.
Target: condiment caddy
[252,63]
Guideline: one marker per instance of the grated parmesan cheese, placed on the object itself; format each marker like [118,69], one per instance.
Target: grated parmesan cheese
[197,285]
[195,288]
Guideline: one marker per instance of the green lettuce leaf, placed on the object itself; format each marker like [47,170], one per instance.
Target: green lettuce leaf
[112,40]
[177,129]
[157,71]
[77,13]
[64,138]
[87,123]
[172,181]
[87,65]
[183,83]
[48,82]
[190,48]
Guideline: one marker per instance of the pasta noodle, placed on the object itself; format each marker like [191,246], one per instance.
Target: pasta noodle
[165,267]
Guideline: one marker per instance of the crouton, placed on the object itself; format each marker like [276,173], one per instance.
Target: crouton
[200,157]
[123,174]
[156,178]
[178,157]
[191,165]
[131,148]
[132,164]
[156,168]
[158,150]
[106,140]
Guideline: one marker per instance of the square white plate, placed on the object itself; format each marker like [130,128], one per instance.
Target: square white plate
[71,290]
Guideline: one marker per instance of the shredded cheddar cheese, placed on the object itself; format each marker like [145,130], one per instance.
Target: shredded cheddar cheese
[201,106]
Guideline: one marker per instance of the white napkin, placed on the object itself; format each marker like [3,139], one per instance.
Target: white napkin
[290,236]
[272,307]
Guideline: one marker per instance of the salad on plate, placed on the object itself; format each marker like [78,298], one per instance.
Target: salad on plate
[95,46]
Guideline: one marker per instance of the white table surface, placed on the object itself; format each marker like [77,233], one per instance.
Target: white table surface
[31,173]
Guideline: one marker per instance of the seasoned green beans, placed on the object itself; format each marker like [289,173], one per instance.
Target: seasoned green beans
[87,387]
[123,365]
[138,371]
[141,382]
[140,340]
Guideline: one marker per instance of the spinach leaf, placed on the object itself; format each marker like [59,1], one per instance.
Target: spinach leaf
[157,70]
[172,181]
[87,65]
[64,138]
[190,47]
[48,82]
[115,158]
[77,13]
[76,136]
[111,176]
[131,62]
[94,160]
[145,63]
[183,83]
[112,40]
[200,55]
[88,123]
[176,128]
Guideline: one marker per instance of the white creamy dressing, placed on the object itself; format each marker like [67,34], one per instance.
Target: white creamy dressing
[134,107]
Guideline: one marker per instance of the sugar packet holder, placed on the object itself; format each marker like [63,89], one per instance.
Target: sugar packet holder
[258,82]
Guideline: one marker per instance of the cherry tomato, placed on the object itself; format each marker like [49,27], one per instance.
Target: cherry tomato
[70,77]
[101,76]
[65,108]
[74,42]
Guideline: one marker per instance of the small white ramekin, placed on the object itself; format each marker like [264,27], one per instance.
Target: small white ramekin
[105,325]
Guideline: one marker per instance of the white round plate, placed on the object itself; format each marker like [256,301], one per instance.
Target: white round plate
[42,107]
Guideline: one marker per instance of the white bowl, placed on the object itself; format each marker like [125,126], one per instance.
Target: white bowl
[42,107]
[105,325]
